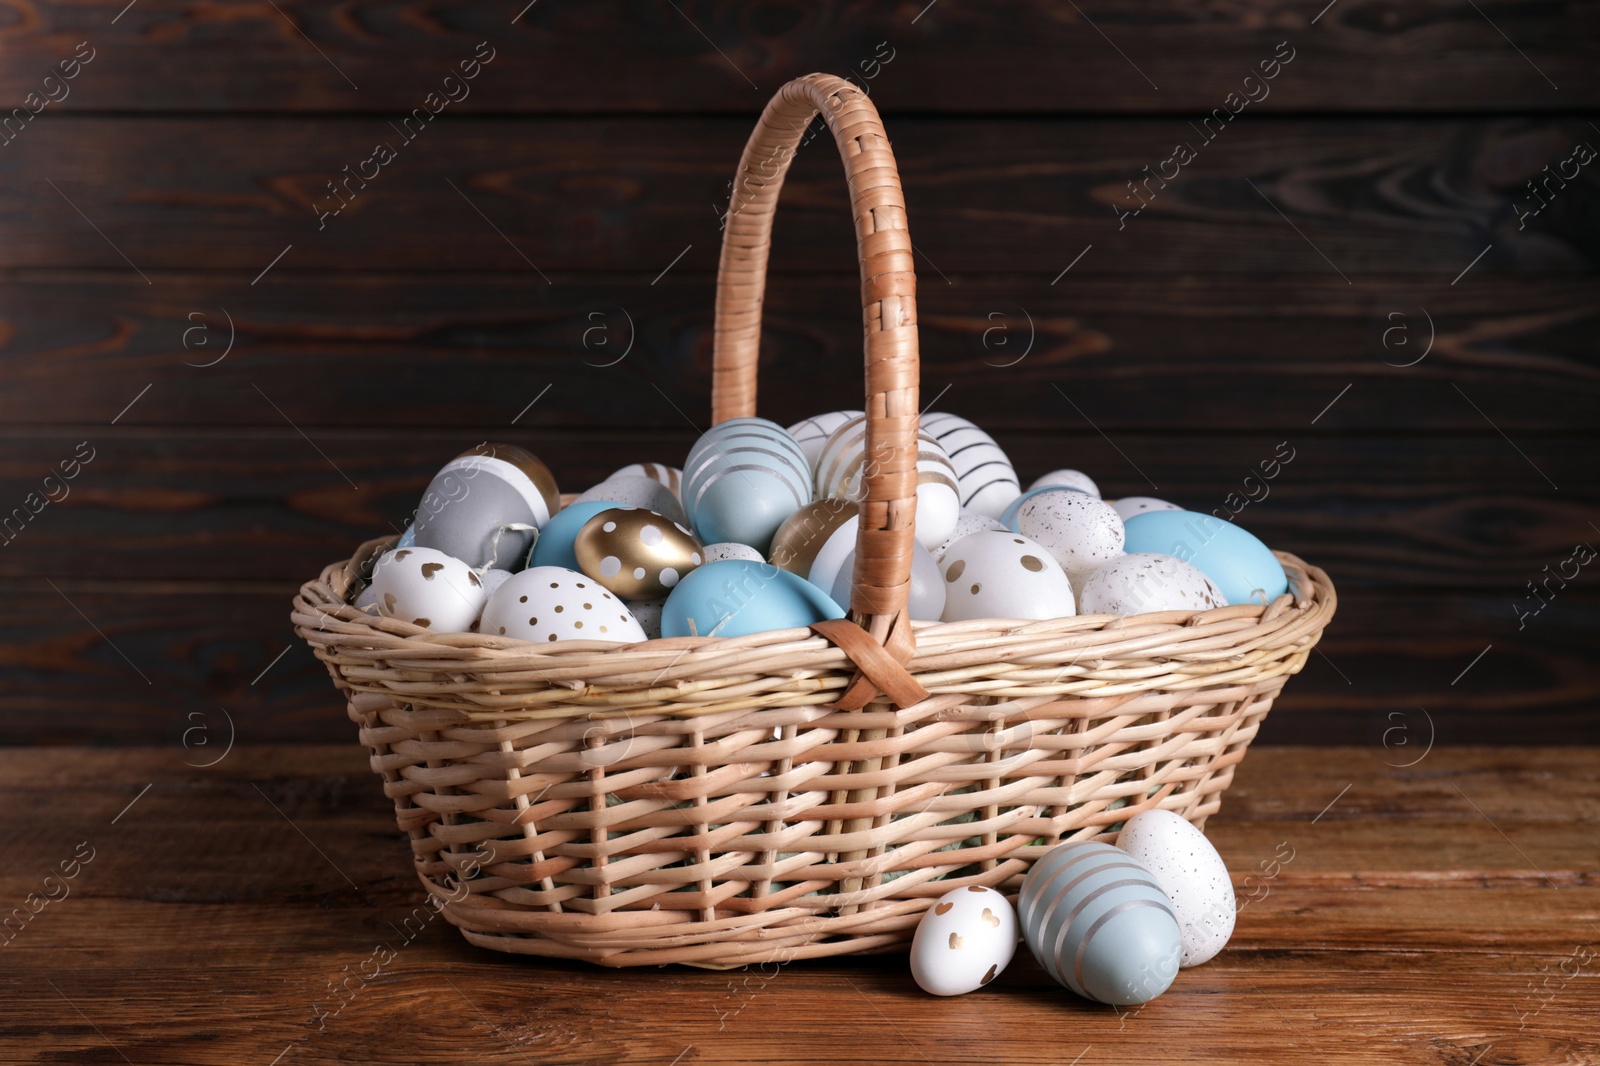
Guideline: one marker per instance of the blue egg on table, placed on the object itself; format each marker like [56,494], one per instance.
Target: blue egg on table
[1244,568]
[1098,922]
[737,597]
[555,544]
[743,477]
[1008,517]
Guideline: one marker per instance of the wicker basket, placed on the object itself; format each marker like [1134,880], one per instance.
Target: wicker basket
[794,794]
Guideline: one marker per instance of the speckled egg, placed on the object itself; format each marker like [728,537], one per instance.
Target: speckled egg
[743,477]
[1098,922]
[925,600]
[545,604]
[635,490]
[428,588]
[637,554]
[843,462]
[812,433]
[1003,575]
[1081,532]
[1144,582]
[1243,568]
[968,522]
[1191,873]
[984,475]
[1076,480]
[648,615]
[728,549]
[486,504]
[964,941]
[1129,506]
[670,476]
[735,598]
[554,546]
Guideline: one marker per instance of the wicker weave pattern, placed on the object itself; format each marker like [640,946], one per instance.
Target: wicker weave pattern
[721,802]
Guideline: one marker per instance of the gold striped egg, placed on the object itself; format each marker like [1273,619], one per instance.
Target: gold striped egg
[635,553]
[843,462]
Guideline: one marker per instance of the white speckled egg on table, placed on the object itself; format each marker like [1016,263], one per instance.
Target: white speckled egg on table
[550,603]
[428,588]
[1144,582]
[1129,506]
[1098,922]
[843,463]
[967,522]
[637,554]
[1003,575]
[1191,873]
[670,476]
[485,505]
[1076,480]
[635,490]
[964,941]
[742,478]
[984,475]
[812,433]
[1081,532]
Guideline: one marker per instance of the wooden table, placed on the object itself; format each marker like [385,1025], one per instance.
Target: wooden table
[1445,912]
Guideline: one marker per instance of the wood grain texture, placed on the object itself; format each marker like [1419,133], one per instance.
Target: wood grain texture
[188,662]
[1025,55]
[1022,196]
[1266,352]
[1425,918]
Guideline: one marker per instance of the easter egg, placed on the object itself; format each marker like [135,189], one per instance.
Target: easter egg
[486,504]
[984,475]
[743,477]
[964,941]
[1076,480]
[1129,506]
[428,588]
[409,537]
[729,549]
[1098,922]
[1081,532]
[493,579]
[551,603]
[924,600]
[554,546]
[736,597]
[842,465]
[366,600]
[670,476]
[812,433]
[1143,582]
[635,490]
[1243,568]
[967,522]
[637,554]
[1191,873]
[810,533]
[1003,575]
[648,614]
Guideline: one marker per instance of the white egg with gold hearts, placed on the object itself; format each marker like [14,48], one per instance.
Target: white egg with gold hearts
[428,588]
[964,941]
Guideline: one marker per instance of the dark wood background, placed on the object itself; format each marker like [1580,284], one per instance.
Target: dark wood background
[1368,210]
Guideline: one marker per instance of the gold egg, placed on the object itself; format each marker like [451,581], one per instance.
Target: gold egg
[637,554]
[802,535]
[529,464]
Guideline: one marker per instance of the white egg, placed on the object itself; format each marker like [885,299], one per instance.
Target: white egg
[493,579]
[964,941]
[1191,873]
[1080,531]
[1129,506]
[1142,582]
[1003,575]
[730,549]
[925,600]
[550,603]
[812,433]
[428,588]
[843,462]
[967,522]
[984,475]
[636,490]
[1067,479]
[670,476]
[648,614]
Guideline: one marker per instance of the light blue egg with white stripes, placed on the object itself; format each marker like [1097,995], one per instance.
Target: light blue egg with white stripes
[743,477]
[1098,922]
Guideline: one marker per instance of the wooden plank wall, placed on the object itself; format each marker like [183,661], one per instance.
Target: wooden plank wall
[246,384]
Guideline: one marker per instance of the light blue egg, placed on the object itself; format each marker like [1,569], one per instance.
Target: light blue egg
[1008,517]
[742,478]
[554,546]
[408,539]
[1244,568]
[1098,922]
[737,597]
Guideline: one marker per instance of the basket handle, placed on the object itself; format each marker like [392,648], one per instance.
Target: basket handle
[882,576]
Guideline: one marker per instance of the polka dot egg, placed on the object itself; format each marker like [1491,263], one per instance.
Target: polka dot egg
[637,554]
[545,604]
